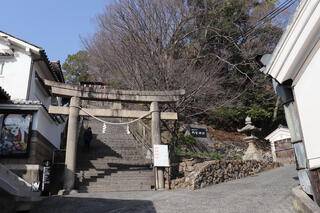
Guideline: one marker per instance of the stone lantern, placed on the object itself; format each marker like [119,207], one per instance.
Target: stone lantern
[252,152]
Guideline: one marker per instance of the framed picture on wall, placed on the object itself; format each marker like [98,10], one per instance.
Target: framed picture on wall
[15,134]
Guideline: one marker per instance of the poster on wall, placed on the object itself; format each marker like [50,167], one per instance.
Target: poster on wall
[14,134]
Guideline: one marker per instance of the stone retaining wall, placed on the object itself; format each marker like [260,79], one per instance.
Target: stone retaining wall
[217,171]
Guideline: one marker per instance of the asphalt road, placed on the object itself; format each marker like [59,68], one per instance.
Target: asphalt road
[268,191]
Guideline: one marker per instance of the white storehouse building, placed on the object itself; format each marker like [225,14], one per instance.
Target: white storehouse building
[294,67]
[28,133]
[281,146]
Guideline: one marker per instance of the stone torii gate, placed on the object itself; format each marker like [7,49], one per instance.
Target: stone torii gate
[77,92]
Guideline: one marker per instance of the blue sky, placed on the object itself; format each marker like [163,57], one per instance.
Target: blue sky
[54,25]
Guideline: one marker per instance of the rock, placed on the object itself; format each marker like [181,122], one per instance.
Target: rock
[190,163]
[190,168]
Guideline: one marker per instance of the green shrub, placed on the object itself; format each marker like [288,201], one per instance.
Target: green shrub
[186,139]
[212,155]
[228,119]
[239,157]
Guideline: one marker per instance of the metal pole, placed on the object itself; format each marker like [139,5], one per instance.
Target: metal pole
[156,139]
[71,150]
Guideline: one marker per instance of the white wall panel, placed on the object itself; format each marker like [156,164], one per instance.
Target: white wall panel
[307,92]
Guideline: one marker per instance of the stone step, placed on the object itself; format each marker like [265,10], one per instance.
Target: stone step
[125,170]
[133,161]
[131,157]
[115,179]
[108,185]
[118,180]
[114,162]
[115,174]
[115,188]
[110,161]
[110,164]
[102,153]
[108,168]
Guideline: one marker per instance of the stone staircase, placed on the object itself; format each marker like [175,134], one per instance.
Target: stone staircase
[114,161]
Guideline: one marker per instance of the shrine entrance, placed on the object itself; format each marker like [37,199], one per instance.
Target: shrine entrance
[76,93]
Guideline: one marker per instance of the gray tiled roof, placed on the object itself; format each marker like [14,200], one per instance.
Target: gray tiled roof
[6,52]
[22,101]
[57,69]
[4,95]
[54,67]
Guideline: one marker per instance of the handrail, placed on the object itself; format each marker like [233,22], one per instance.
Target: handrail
[138,137]
[143,131]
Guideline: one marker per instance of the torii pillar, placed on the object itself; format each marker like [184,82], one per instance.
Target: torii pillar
[71,150]
[156,139]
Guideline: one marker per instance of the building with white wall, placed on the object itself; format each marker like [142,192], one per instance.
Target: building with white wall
[281,146]
[29,134]
[294,67]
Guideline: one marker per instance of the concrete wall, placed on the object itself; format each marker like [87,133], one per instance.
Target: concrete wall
[16,72]
[307,97]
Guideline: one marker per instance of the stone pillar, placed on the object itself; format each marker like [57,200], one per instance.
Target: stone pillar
[156,139]
[71,150]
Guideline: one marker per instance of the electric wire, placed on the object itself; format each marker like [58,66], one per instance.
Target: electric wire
[275,11]
[285,5]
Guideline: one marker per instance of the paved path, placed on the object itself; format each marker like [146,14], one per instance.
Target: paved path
[268,192]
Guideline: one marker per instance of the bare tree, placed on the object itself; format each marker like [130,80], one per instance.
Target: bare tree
[145,44]
[172,44]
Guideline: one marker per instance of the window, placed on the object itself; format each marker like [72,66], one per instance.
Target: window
[1,67]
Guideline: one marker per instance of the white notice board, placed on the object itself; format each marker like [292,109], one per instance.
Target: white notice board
[161,155]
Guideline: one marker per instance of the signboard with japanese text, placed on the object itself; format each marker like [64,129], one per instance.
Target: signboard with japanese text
[161,156]
[198,132]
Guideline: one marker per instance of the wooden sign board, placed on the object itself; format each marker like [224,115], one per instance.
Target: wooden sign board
[161,155]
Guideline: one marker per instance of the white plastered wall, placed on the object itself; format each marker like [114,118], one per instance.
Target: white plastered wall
[37,92]
[307,93]
[42,122]
[15,73]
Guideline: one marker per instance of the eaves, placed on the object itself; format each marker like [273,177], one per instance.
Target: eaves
[297,42]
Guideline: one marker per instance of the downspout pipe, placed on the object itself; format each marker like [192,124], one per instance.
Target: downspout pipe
[284,91]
